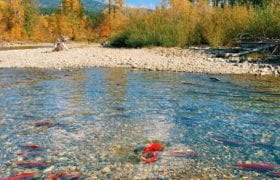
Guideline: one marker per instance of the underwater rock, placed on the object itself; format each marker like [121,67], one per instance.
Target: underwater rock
[106,170]
[139,149]
[214,79]
[133,158]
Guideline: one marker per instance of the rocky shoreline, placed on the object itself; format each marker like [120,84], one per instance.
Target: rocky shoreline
[83,55]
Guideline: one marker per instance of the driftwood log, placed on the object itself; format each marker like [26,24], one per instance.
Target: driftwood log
[60,44]
[106,44]
[257,49]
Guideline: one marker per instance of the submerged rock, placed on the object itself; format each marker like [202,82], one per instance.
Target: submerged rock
[139,149]
[133,158]
[106,170]
[214,79]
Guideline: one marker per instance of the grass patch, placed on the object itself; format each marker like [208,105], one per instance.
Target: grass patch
[184,24]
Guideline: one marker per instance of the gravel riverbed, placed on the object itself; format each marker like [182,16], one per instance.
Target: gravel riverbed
[155,59]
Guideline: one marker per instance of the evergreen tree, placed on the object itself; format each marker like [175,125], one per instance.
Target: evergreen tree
[254,2]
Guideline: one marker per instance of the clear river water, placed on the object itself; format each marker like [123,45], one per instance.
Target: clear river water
[101,116]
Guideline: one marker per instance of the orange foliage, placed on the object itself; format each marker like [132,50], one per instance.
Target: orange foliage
[46,29]
[105,27]
[16,19]
[83,24]
[52,25]
[3,16]
[64,26]
[176,22]
[72,6]
[20,20]
[113,23]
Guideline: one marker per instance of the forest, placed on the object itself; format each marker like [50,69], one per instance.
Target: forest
[171,23]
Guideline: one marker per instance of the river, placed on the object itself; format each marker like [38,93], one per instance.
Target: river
[100,115]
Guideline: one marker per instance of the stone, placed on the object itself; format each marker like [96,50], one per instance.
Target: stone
[49,170]
[277,72]
[106,170]
[139,149]
[93,177]
[136,177]
[72,168]
[259,153]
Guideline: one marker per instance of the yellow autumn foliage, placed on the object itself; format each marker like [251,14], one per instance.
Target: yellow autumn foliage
[224,24]
[3,16]
[181,23]
[15,19]
[113,23]
[177,23]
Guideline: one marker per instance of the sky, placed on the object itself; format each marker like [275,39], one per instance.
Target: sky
[142,3]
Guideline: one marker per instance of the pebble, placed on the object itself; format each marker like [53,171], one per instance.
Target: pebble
[153,59]
[93,177]
[260,153]
[106,170]
[49,169]
[72,168]
[137,178]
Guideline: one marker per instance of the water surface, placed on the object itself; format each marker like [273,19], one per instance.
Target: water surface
[105,113]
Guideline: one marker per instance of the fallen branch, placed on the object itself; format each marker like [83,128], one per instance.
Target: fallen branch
[258,49]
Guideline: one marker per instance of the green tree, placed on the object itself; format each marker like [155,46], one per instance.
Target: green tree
[31,15]
[253,2]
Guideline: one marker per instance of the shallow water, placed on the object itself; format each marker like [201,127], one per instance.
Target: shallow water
[105,113]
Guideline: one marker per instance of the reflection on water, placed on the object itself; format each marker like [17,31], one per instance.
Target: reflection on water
[103,114]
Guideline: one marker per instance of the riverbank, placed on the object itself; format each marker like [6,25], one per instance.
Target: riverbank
[81,55]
